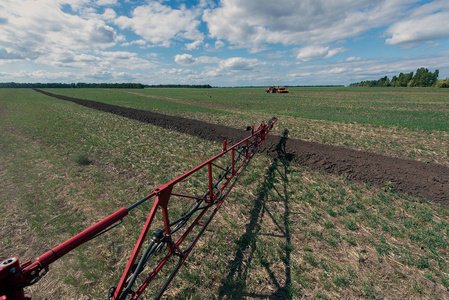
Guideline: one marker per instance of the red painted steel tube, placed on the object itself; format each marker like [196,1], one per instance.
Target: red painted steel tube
[47,258]
[163,195]
[211,193]
[233,160]
[28,272]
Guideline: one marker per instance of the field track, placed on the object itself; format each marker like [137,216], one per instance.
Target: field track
[414,178]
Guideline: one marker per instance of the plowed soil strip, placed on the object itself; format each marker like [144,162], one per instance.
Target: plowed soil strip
[430,181]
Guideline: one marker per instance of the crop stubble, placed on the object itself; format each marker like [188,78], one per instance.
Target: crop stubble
[427,180]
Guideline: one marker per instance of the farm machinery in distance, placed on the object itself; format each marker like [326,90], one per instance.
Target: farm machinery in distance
[279,89]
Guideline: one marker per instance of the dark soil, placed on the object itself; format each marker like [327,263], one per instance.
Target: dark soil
[430,181]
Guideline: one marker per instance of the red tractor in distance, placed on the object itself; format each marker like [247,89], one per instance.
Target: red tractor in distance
[279,89]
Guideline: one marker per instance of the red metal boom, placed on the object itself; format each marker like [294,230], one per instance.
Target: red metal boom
[168,246]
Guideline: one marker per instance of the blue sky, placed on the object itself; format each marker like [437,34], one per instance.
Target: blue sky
[221,42]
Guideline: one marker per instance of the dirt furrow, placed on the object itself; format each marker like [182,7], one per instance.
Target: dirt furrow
[430,181]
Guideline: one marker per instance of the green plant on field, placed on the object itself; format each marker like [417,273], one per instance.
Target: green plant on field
[81,159]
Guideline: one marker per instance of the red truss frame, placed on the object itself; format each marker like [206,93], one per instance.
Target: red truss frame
[168,246]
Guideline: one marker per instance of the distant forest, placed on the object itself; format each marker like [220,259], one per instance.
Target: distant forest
[96,85]
[194,86]
[72,85]
[421,78]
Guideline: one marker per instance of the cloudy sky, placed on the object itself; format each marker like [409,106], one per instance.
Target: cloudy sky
[221,42]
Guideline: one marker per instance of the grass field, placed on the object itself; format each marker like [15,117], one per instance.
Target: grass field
[285,232]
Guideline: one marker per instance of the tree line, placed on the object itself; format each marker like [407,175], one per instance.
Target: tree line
[98,85]
[421,78]
[72,85]
[193,86]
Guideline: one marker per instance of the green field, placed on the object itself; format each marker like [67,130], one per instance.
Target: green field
[425,109]
[285,231]
[399,122]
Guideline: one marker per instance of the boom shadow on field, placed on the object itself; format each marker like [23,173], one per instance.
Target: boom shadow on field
[249,252]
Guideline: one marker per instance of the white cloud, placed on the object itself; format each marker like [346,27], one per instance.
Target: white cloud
[159,24]
[109,76]
[427,23]
[338,70]
[175,71]
[76,5]
[187,59]
[79,36]
[124,60]
[99,60]
[215,47]
[219,44]
[40,29]
[208,60]
[214,68]
[193,46]
[65,58]
[356,70]
[92,75]
[310,53]
[109,14]
[136,42]
[9,55]
[238,64]
[184,59]
[38,76]
[251,23]
[101,34]
[353,58]
[106,2]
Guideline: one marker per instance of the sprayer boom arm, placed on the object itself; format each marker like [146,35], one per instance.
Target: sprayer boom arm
[171,240]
